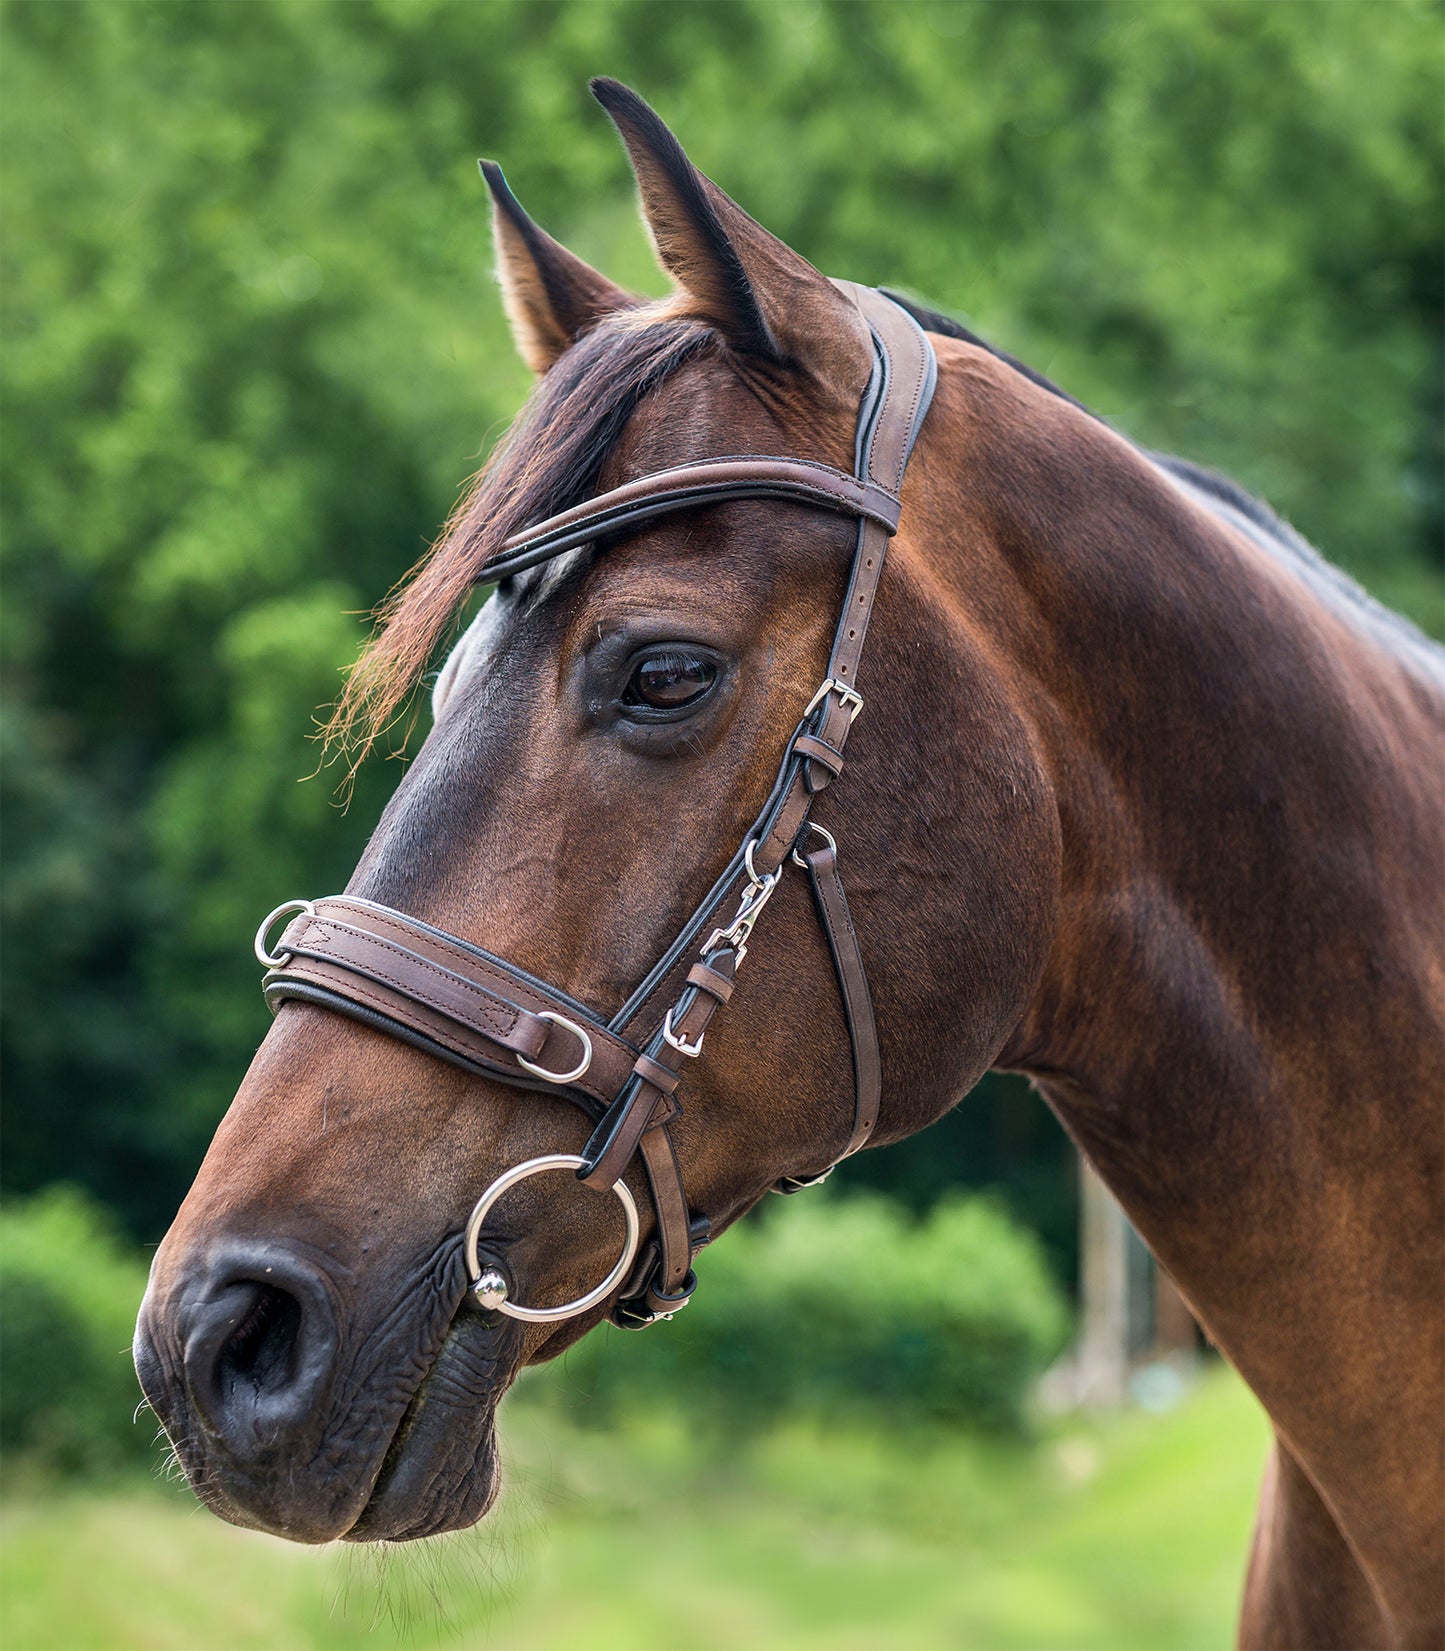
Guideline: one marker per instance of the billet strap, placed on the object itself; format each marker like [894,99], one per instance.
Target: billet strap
[685,486]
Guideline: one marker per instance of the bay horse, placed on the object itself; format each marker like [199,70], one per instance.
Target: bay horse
[1144,803]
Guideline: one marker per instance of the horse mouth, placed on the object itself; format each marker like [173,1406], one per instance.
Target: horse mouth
[440,1471]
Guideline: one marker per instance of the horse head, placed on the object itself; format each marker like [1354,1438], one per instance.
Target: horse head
[605,736]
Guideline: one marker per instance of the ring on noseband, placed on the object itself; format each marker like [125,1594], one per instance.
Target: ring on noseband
[278,960]
[577,1032]
[488,1285]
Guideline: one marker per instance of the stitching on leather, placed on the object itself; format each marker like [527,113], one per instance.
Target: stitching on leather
[490,1014]
[466,960]
[912,427]
[854,499]
[446,1036]
[464,1045]
[598,1033]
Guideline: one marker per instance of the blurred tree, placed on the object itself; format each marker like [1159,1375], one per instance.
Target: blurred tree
[251,356]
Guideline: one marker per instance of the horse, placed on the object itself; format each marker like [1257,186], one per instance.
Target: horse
[1142,802]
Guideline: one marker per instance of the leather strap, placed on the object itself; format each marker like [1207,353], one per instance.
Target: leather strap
[685,486]
[455,995]
[837,923]
[640,1107]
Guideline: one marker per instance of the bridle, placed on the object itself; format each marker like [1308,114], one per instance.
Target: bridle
[479,1012]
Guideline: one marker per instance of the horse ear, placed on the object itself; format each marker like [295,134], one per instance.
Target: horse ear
[551,297]
[766,299]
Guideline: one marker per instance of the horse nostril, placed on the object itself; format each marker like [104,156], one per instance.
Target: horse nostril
[262,1349]
[260,1344]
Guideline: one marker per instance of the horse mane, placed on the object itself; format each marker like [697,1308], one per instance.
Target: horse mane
[548,461]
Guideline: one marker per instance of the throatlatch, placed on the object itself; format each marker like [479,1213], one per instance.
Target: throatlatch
[480,1012]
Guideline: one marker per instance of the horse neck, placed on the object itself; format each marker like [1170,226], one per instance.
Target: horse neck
[1238,1016]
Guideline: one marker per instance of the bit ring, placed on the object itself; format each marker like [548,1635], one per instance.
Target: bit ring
[510,1178]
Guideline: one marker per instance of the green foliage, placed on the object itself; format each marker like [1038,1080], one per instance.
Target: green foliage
[840,1308]
[69,1290]
[251,355]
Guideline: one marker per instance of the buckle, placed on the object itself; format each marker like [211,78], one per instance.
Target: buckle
[850,697]
[682,1046]
[789,1184]
[636,1312]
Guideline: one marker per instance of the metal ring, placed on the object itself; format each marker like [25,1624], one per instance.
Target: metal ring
[577,1032]
[278,960]
[535,1166]
[762,881]
[827,837]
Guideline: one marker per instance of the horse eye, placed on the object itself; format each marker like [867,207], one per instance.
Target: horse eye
[670,679]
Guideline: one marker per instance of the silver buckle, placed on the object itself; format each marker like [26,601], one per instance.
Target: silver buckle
[850,697]
[682,1046]
[578,1033]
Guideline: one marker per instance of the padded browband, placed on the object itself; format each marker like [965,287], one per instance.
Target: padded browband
[709,481]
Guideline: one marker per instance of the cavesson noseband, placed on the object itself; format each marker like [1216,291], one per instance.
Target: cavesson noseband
[484,1014]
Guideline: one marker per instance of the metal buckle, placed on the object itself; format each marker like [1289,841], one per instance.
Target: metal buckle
[278,960]
[823,832]
[577,1032]
[849,696]
[682,1046]
[490,1288]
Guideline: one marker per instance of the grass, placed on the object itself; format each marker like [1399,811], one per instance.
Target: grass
[1119,1534]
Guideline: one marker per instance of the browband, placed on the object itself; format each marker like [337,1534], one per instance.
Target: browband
[709,481]
[484,1014]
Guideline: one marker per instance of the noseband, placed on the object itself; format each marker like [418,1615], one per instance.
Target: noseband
[479,1012]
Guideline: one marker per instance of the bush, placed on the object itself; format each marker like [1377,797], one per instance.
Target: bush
[839,1307]
[69,1290]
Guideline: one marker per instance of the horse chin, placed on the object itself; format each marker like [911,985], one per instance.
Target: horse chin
[440,1472]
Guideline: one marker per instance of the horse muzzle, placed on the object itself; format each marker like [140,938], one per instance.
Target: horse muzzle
[286,1422]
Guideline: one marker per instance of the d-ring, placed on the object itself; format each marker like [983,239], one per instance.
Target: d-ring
[548,1315]
[578,1033]
[827,837]
[278,960]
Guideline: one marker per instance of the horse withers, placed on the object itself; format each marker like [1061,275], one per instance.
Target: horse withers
[1142,800]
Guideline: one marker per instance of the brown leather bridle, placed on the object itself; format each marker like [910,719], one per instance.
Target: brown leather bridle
[484,1014]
